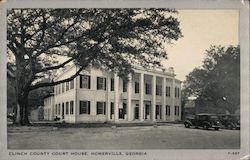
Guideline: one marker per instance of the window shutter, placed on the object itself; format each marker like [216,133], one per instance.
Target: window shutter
[89,83]
[80,81]
[105,80]
[88,107]
[97,83]
[104,108]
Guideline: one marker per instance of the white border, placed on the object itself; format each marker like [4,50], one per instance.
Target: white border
[242,6]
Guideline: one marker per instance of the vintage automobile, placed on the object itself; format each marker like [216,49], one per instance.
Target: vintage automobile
[230,121]
[204,120]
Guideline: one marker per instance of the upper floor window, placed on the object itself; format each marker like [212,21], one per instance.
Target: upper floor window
[124,86]
[59,88]
[168,91]
[177,92]
[72,84]
[85,81]
[148,88]
[158,90]
[101,108]
[55,90]
[112,84]
[63,87]
[137,87]
[84,107]
[101,83]
[67,86]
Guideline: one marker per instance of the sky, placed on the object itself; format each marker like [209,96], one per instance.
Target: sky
[200,29]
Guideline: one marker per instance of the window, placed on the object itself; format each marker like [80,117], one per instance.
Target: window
[67,107]
[124,86]
[84,107]
[148,88]
[63,87]
[112,109]
[100,108]
[137,87]
[101,83]
[158,90]
[59,108]
[85,81]
[67,86]
[72,84]
[177,92]
[56,109]
[59,88]
[71,107]
[112,87]
[167,110]
[176,110]
[168,91]
[55,89]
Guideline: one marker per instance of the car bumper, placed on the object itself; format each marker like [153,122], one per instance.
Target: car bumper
[215,126]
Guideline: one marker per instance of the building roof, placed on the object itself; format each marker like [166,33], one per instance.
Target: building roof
[164,71]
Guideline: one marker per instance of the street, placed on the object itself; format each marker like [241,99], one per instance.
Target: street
[173,136]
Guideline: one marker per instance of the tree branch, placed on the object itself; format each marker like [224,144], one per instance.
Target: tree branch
[47,84]
[56,66]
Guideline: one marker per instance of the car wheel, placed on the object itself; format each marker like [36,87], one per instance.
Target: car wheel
[187,125]
[205,127]
[230,126]
[216,129]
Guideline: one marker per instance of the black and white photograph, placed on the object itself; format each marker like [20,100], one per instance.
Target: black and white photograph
[125,80]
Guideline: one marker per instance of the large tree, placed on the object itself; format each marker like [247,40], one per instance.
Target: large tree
[217,83]
[114,38]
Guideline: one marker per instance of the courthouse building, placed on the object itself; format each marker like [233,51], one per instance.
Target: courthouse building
[100,96]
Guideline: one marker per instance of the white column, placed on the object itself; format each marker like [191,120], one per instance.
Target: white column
[108,96]
[153,97]
[141,97]
[117,98]
[129,92]
[76,101]
[163,99]
[172,116]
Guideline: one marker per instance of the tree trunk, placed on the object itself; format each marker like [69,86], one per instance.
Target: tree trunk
[22,91]
[21,110]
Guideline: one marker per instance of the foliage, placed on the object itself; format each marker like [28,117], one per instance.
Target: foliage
[217,84]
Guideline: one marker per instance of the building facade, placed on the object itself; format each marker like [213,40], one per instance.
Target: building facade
[100,96]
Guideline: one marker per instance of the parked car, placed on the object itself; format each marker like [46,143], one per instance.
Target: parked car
[230,121]
[10,116]
[204,120]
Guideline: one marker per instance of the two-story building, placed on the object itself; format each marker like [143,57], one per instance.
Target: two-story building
[100,96]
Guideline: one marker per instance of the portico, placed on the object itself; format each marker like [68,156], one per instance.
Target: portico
[148,103]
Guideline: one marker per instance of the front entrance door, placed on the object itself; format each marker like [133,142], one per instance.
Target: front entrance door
[136,112]
[158,112]
[121,113]
[147,111]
